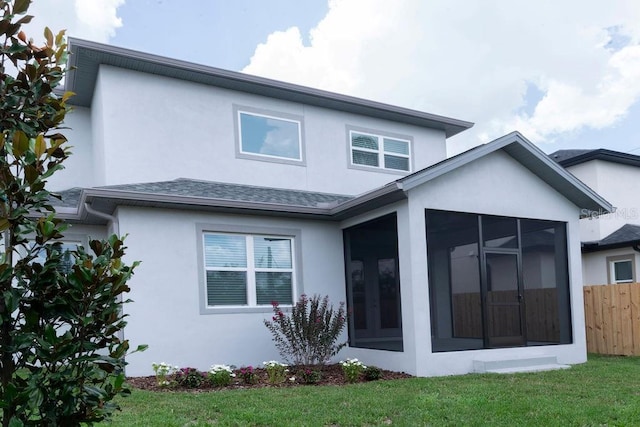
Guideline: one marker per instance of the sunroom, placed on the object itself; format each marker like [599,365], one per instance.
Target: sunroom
[480,262]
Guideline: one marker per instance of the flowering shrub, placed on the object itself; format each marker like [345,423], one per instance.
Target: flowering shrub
[276,371]
[309,375]
[189,377]
[309,334]
[372,373]
[163,371]
[248,375]
[352,369]
[220,375]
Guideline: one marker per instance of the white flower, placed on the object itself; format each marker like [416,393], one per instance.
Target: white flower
[163,368]
[221,368]
[292,379]
[273,364]
[353,362]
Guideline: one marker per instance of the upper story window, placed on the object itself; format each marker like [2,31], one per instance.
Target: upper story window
[248,270]
[380,151]
[269,136]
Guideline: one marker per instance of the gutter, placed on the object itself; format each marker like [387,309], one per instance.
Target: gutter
[112,219]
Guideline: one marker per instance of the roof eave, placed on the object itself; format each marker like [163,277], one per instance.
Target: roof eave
[604,155]
[369,201]
[595,247]
[107,200]
[113,198]
[104,54]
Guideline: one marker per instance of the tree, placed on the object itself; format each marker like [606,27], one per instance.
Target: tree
[61,357]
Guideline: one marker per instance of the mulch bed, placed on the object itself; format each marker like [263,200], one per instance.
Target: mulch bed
[330,375]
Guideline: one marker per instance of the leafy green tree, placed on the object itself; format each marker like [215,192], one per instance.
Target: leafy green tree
[61,351]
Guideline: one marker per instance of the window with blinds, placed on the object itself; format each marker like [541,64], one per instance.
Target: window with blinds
[248,270]
[379,151]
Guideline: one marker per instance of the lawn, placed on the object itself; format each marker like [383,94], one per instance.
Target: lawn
[604,391]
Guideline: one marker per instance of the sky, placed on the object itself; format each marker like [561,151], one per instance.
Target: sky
[566,74]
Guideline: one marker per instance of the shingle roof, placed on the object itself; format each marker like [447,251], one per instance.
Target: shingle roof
[236,192]
[566,158]
[235,198]
[627,235]
[564,155]
[217,191]
[69,198]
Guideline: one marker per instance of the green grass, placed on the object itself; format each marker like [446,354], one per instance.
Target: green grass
[604,391]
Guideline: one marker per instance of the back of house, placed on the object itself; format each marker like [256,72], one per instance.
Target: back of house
[236,191]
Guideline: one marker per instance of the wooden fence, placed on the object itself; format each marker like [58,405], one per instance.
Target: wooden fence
[541,314]
[612,318]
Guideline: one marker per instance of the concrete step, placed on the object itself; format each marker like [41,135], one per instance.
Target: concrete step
[509,366]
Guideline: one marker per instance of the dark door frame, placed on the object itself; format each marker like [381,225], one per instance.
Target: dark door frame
[510,341]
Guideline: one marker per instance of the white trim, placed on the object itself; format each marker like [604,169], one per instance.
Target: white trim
[251,269]
[381,152]
[612,268]
[293,235]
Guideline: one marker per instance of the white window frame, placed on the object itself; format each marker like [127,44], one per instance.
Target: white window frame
[293,235]
[73,241]
[242,153]
[612,261]
[380,151]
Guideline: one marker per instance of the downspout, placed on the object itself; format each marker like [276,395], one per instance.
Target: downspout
[112,219]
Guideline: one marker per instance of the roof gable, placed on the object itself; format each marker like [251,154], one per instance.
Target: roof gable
[531,157]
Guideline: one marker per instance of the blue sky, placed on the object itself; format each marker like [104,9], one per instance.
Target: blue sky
[565,74]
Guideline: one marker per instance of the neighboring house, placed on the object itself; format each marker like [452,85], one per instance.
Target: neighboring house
[610,241]
[236,190]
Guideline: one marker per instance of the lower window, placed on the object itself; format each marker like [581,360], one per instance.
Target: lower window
[67,258]
[248,270]
[621,269]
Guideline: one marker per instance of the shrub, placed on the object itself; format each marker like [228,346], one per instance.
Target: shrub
[372,373]
[189,377]
[220,375]
[309,375]
[248,375]
[276,371]
[309,334]
[163,371]
[352,369]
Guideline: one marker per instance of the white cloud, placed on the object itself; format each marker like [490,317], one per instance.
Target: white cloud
[473,61]
[94,20]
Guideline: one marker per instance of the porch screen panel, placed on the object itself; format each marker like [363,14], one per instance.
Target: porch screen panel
[454,280]
[373,284]
[546,285]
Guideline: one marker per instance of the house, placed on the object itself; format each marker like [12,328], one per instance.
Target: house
[610,241]
[236,190]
